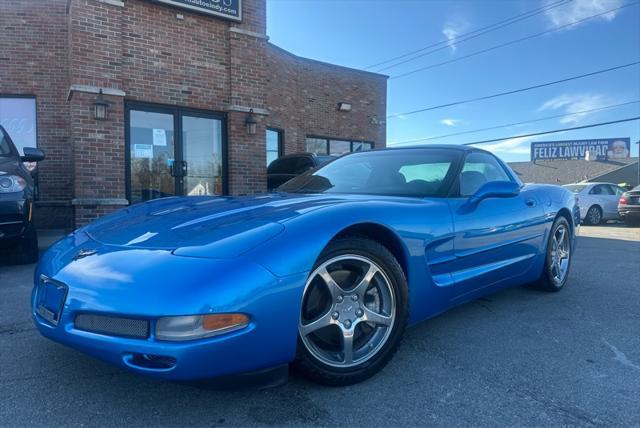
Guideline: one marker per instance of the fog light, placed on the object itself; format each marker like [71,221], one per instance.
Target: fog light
[198,326]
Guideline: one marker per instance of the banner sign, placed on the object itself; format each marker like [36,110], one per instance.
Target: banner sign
[229,9]
[601,149]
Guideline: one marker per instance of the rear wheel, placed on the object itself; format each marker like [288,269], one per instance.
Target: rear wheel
[558,257]
[594,215]
[354,313]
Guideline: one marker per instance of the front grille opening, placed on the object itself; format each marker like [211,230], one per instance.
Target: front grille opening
[113,326]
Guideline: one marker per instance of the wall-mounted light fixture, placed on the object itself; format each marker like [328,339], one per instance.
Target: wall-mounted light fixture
[344,107]
[251,123]
[100,106]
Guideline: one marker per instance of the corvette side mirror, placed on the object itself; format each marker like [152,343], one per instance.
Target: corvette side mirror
[494,189]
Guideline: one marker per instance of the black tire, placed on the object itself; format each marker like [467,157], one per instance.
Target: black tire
[26,252]
[547,280]
[594,216]
[313,367]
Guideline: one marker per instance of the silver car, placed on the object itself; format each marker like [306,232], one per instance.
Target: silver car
[598,202]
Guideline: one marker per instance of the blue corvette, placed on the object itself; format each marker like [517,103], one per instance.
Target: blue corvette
[325,274]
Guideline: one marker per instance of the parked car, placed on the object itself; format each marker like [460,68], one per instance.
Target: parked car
[325,274]
[290,166]
[598,202]
[629,206]
[17,232]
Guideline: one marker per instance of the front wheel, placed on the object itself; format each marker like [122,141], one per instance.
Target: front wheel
[354,313]
[558,257]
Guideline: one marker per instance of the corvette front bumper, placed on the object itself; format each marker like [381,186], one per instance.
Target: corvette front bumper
[178,287]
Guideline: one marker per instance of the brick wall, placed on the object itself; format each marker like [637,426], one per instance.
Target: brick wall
[303,97]
[138,50]
[33,61]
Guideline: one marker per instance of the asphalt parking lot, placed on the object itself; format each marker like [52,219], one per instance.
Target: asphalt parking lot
[519,357]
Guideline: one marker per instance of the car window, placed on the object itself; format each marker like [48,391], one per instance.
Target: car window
[618,190]
[575,188]
[425,172]
[480,168]
[5,148]
[418,173]
[601,189]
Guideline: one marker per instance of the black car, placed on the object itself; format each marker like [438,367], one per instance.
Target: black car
[629,206]
[17,233]
[287,167]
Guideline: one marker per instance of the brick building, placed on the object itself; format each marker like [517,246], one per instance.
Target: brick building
[182,84]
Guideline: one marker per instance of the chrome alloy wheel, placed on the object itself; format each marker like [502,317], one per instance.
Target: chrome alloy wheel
[348,311]
[560,254]
[594,215]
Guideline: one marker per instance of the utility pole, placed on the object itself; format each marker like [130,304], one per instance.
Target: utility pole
[638,143]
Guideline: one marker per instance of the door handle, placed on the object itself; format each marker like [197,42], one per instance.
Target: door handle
[178,169]
[530,202]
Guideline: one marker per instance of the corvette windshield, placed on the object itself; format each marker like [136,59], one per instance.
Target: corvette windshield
[419,172]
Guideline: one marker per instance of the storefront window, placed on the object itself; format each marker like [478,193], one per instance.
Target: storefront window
[361,146]
[18,117]
[274,145]
[326,146]
[316,145]
[339,147]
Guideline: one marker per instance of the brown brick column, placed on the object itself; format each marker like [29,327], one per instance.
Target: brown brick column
[95,55]
[247,84]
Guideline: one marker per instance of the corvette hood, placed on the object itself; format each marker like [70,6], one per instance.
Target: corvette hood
[237,224]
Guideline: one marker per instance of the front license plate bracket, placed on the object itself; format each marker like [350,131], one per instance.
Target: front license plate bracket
[50,299]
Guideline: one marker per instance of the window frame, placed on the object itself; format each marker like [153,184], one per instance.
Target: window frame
[280,133]
[37,119]
[327,141]
[455,187]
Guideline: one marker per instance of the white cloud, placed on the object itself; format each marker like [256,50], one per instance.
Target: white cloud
[450,122]
[514,146]
[451,31]
[574,103]
[581,9]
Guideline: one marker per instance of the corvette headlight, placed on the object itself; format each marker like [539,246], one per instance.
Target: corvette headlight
[198,326]
[12,183]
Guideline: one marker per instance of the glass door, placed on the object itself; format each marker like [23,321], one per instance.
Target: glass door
[173,151]
[202,155]
[151,153]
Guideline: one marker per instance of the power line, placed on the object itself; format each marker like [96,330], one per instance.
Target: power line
[471,34]
[515,91]
[593,125]
[456,41]
[507,125]
[512,42]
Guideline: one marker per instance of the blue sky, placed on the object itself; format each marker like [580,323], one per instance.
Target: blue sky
[360,33]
